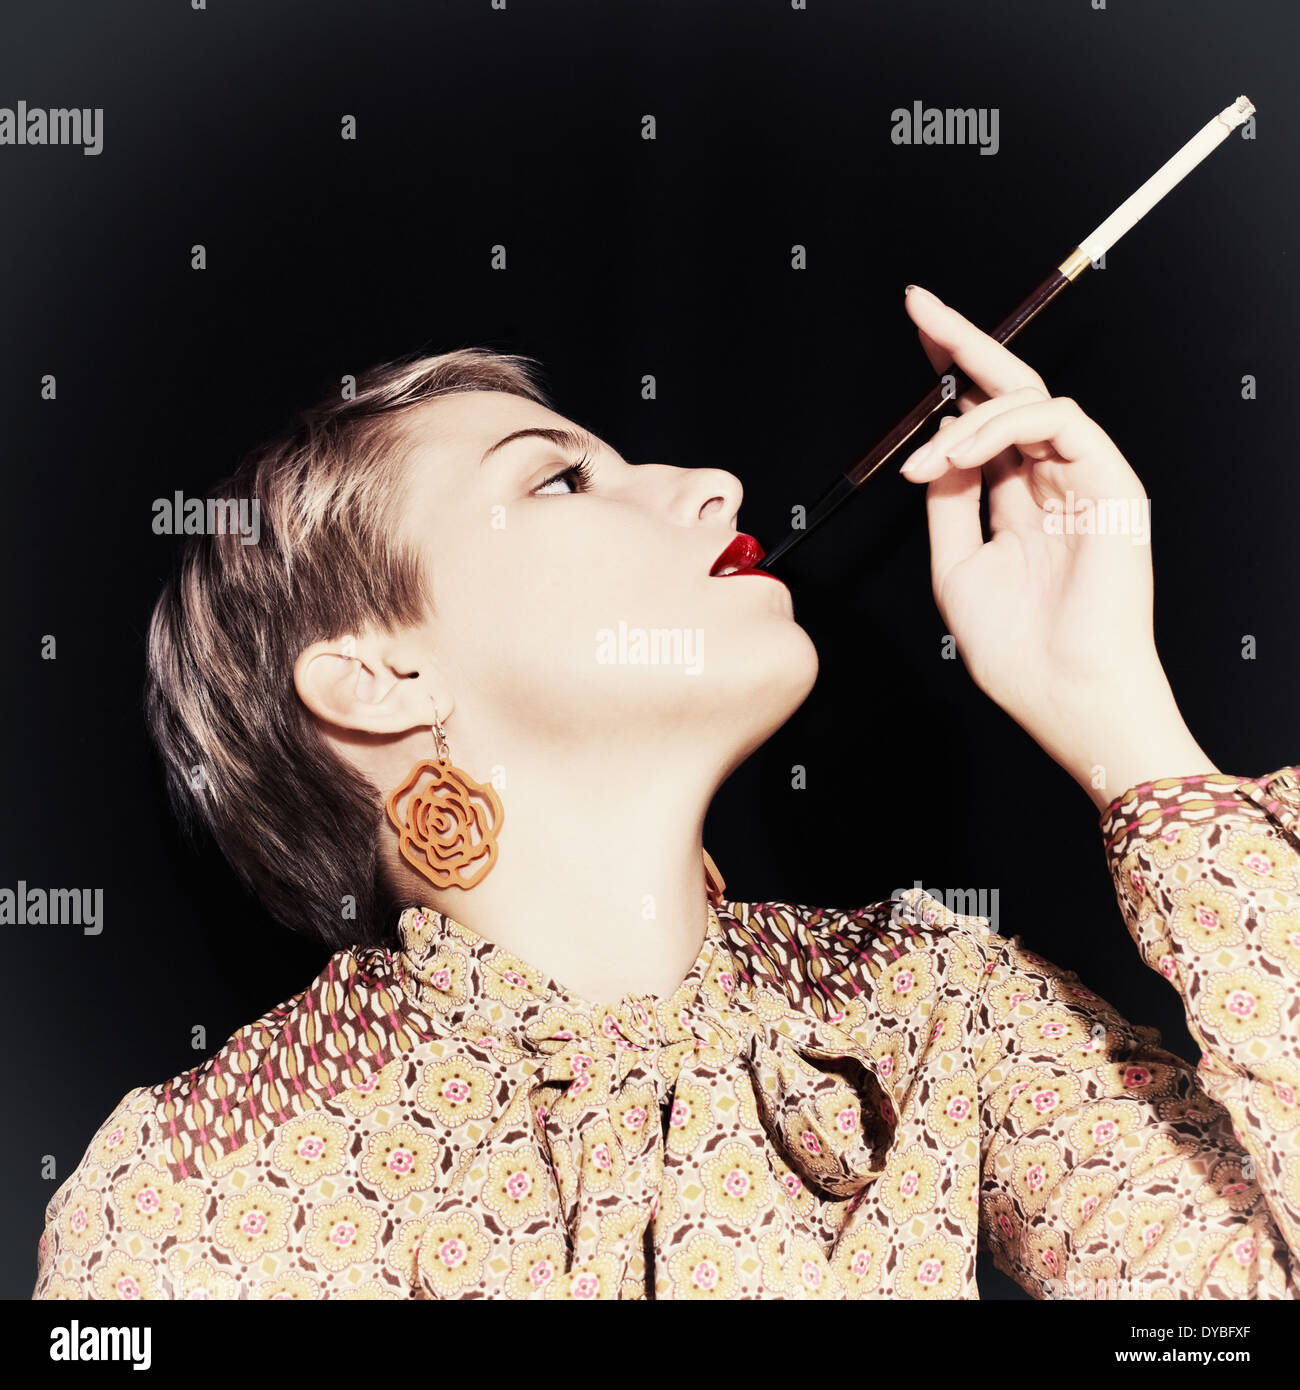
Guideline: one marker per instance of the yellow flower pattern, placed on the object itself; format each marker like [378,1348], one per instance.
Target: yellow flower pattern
[516,1190]
[342,1233]
[399,1161]
[311,1147]
[457,1092]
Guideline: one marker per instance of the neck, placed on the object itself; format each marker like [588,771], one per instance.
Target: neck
[599,880]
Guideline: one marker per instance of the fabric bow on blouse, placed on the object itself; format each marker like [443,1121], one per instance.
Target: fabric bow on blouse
[609,1151]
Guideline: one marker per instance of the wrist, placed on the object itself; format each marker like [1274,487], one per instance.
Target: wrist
[1129,736]
[1176,757]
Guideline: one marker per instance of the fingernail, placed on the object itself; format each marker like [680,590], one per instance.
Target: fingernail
[917,459]
[907,289]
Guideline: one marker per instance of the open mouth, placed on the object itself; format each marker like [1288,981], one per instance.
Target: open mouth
[739,557]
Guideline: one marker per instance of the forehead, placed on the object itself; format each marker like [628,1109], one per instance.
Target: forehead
[468,423]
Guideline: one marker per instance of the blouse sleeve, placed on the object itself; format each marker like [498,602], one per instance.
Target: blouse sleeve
[1113,1168]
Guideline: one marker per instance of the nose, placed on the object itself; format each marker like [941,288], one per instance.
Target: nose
[691,495]
[704,494]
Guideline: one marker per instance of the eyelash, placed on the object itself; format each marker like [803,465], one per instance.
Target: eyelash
[580,472]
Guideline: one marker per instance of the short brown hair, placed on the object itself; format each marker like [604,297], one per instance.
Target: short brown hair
[241,754]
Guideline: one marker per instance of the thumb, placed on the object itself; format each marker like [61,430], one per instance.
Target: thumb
[952,505]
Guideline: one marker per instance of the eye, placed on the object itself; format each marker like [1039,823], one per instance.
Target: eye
[575,478]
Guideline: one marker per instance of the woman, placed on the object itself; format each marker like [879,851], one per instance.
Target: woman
[460,715]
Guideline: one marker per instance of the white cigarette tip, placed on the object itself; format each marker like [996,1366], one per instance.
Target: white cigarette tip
[1237,113]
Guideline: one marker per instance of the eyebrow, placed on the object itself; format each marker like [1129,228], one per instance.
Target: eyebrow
[576,441]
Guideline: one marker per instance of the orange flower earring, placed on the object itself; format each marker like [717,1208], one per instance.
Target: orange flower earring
[448,831]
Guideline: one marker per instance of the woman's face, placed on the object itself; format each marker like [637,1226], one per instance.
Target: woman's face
[581,609]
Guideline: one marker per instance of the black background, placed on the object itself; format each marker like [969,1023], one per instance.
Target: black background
[626,257]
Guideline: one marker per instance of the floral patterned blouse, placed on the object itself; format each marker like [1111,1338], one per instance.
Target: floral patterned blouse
[834,1104]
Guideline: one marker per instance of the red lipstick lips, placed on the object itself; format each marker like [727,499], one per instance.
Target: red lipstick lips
[740,557]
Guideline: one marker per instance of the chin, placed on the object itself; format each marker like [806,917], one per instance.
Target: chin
[802,666]
[777,673]
[751,676]
[761,700]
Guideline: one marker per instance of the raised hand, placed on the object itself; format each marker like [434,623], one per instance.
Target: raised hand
[1052,614]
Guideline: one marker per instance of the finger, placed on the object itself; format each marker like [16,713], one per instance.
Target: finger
[941,359]
[952,506]
[945,422]
[915,466]
[993,367]
[1058,425]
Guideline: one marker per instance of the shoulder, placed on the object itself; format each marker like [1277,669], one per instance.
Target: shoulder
[896,952]
[860,953]
[79,1225]
[149,1182]
[348,1024]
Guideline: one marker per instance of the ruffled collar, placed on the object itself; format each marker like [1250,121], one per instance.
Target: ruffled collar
[481,990]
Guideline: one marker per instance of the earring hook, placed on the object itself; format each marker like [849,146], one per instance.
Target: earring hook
[441,751]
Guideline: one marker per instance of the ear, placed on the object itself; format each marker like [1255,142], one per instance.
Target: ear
[374,683]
